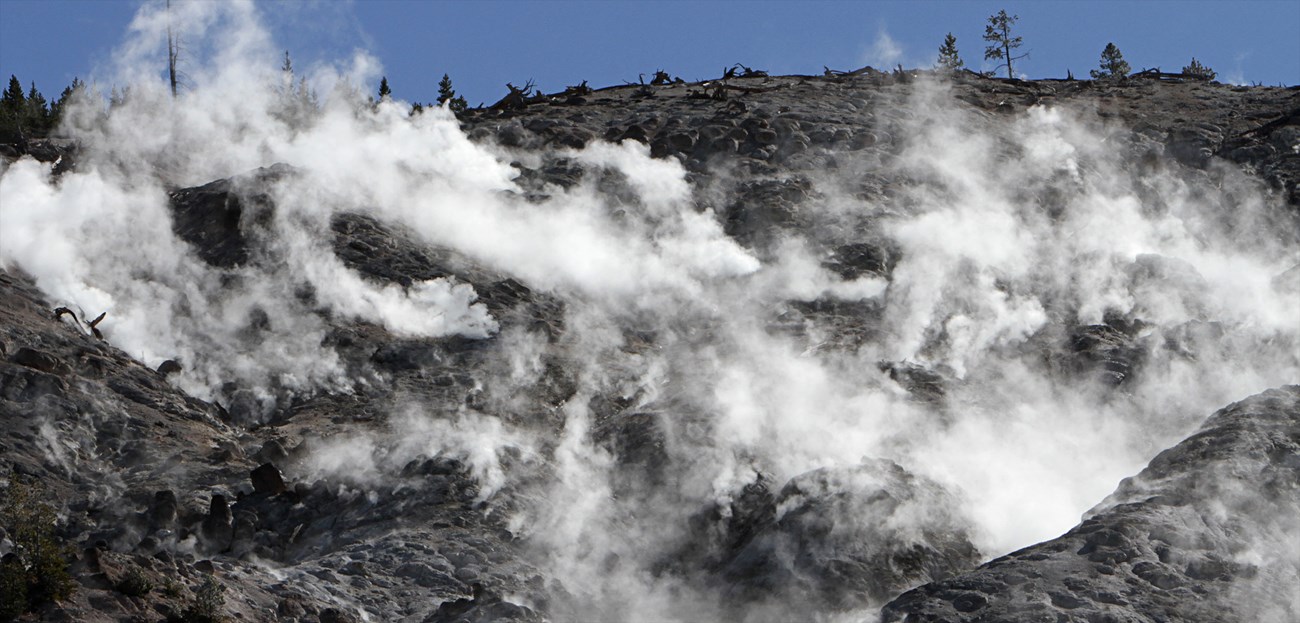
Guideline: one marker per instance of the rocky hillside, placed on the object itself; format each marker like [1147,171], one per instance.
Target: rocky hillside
[757,349]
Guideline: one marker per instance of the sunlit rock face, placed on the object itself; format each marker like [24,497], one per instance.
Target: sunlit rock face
[765,349]
[1198,535]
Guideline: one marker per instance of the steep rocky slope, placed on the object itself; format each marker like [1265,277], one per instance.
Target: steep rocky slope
[626,450]
[1201,534]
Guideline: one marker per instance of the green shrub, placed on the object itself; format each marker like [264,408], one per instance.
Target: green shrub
[172,589]
[208,603]
[1198,70]
[134,583]
[36,572]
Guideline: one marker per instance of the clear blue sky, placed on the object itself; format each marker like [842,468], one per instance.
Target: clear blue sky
[483,45]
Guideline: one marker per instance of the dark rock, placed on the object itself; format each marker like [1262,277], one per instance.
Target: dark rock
[267,479]
[272,452]
[220,219]
[27,384]
[41,360]
[855,260]
[164,510]
[171,366]
[245,408]
[337,615]
[1110,354]
[291,607]
[216,527]
[832,545]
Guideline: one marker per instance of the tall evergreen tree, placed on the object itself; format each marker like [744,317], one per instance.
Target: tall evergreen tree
[13,110]
[1113,64]
[998,33]
[13,101]
[38,112]
[948,58]
[60,106]
[298,104]
[384,91]
[447,94]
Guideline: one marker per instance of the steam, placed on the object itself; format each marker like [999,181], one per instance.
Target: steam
[884,50]
[1009,234]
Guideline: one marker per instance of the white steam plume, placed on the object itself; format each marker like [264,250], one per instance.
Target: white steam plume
[1010,232]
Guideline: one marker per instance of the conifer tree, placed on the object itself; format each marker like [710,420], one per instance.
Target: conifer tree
[298,103]
[447,94]
[13,109]
[1198,70]
[384,92]
[37,114]
[998,33]
[1113,64]
[70,93]
[13,101]
[948,58]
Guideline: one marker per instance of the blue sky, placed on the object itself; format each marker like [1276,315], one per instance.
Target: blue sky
[483,45]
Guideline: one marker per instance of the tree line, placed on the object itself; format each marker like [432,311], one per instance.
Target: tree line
[1003,45]
[30,114]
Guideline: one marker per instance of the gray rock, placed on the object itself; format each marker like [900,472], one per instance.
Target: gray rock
[1165,546]
[830,544]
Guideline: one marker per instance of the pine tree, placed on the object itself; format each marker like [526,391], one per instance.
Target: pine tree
[37,114]
[298,104]
[1198,70]
[948,58]
[448,94]
[286,74]
[1113,64]
[71,93]
[13,107]
[385,93]
[998,32]
[13,101]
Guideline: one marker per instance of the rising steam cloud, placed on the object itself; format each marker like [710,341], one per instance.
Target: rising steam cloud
[1008,233]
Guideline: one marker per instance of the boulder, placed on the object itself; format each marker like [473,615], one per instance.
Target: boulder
[267,480]
[845,538]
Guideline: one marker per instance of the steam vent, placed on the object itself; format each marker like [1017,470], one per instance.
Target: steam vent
[903,346]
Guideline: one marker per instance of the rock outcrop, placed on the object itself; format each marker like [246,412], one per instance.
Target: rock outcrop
[1206,532]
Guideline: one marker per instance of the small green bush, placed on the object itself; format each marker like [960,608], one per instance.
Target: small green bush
[134,583]
[1198,70]
[172,589]
[209,601]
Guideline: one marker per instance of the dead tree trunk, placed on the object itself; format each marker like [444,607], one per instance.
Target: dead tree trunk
[173,49]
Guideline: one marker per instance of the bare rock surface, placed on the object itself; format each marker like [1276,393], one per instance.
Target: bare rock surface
[1201,534]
